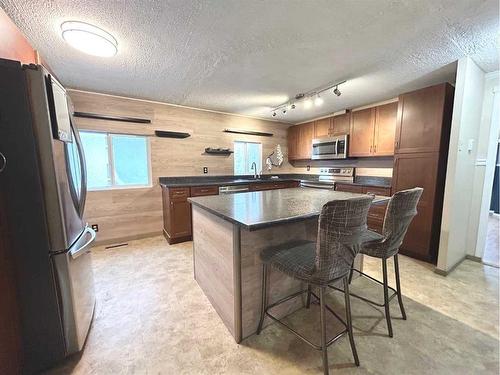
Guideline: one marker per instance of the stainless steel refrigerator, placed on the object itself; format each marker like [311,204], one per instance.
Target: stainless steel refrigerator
[43,185]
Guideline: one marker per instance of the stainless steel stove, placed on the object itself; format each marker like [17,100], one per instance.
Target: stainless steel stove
[328,177]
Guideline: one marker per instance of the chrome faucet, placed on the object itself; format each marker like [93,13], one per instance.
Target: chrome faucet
[254,168]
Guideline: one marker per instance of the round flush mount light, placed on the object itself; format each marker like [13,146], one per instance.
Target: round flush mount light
[89,38]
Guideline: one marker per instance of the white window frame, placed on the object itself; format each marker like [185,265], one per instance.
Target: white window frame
[249,171]
[111,164]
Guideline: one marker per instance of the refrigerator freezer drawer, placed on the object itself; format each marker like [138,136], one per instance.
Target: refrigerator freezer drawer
[75,286]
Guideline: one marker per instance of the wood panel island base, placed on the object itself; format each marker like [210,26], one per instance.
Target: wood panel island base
[230,231]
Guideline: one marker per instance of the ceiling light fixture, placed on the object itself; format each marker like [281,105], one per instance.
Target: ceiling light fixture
[308,98]
[89,38]
[318,101]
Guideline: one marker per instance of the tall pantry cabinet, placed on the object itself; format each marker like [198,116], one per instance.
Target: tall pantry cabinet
[420,157]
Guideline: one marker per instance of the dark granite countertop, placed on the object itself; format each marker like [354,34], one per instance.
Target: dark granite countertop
[230,180]
[244,180]
[260,209]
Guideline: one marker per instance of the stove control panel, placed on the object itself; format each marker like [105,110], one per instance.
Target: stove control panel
[344,172]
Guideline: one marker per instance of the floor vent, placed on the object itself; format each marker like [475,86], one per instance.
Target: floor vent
[117,245]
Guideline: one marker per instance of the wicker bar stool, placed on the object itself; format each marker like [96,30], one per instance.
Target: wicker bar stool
[401,210]
[341,227]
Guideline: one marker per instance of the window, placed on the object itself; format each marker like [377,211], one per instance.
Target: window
[246,153]
[116,160]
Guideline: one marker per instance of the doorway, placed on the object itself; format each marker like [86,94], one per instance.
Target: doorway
[491,255]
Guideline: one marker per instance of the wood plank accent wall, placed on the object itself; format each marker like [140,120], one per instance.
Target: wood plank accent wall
[134,213]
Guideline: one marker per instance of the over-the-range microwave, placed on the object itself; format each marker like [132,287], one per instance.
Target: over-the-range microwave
[329,148]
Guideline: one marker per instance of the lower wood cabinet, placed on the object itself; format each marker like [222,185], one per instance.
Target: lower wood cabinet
[176,214]
[376,214]
[177,224]
[274,185]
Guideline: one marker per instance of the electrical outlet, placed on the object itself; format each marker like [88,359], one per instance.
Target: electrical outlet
[95,227]
[205,170]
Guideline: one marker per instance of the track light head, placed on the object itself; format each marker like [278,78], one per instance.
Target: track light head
[284,110]
[336,91]
[274,114]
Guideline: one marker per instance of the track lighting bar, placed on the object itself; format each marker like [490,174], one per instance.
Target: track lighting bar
[309,98]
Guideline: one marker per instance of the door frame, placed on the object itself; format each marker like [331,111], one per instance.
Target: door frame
[489,164]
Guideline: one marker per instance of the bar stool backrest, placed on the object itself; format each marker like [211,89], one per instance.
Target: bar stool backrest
[401,210]
[341,225]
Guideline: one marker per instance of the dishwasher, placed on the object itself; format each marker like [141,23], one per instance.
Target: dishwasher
[233,189]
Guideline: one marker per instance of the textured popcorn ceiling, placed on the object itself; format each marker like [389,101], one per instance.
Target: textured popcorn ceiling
[245,56]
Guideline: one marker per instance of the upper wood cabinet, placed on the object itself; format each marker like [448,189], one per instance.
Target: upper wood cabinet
[373,131]
[306,135]
[332,126]
[361,135]
[420,118]
[385,129]
[340,124]
[322,128]
[300,141]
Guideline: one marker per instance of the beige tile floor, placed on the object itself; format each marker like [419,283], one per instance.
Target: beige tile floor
[152,318]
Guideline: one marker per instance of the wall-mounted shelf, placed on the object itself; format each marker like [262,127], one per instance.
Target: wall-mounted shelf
[217,151]
[169,134]
[248,132]
[112,118]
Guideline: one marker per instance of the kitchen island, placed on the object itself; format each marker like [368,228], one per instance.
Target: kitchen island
[230,231]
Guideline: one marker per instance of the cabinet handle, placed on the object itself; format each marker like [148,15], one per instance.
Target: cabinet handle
[371,147]
[375,148]
[4,162]
[397,144]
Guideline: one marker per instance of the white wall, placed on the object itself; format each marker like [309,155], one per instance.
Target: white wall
[465,125]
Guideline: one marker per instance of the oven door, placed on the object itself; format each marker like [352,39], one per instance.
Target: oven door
[324,149]
[317,185]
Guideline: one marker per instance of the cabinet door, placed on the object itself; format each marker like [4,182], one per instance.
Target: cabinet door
[412,170]
[180,212]
[420,119]
[362,129]
[292,138]
[306,132]
[201,191]
[322,127]
[341,124]
[385,129]
[349,188]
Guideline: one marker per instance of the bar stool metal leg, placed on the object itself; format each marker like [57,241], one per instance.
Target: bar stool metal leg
[264,298]
[398,286]
[386,297]
[322,318]
[349,320]
[308,298]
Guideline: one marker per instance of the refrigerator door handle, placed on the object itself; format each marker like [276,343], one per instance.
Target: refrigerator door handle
[4,162]
[75,253]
